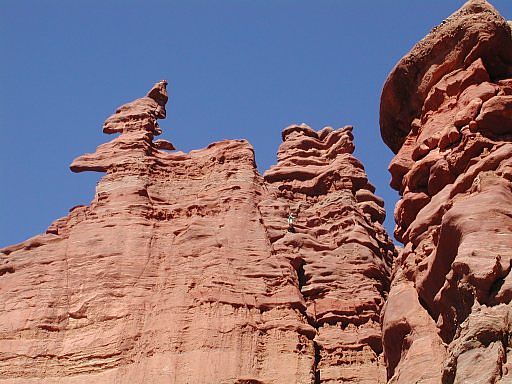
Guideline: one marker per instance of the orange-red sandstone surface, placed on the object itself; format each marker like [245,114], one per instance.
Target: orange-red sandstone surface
[446,111]
[183,268]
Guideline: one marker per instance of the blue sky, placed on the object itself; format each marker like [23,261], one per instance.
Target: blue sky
[236,69]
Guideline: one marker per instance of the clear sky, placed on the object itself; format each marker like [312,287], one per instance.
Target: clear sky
[236,69]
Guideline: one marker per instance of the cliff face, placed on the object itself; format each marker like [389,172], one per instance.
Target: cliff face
[338,247]
[194,268]
[183,268]
[446,111]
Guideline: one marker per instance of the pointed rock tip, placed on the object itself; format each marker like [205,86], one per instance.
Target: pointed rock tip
[128,116]
[159,92]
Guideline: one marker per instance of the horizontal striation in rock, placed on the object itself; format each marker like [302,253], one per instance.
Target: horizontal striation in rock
[182,269]
[337,245]
[168,276]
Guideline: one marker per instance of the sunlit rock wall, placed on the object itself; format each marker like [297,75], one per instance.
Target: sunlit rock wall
[446,111]
[183,269]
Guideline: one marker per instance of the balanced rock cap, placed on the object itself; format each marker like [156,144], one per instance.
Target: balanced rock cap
[475,31]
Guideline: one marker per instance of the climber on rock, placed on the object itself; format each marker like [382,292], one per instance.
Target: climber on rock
[291,218]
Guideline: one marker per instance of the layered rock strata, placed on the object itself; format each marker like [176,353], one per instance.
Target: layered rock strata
[337,245]
[446,112]
[182,268]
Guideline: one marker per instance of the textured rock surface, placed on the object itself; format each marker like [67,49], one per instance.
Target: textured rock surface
[475,31]
[182,269]
[446,112]
[338,247]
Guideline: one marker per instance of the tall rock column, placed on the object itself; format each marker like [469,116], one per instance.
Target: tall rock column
[446,111]
[336,244]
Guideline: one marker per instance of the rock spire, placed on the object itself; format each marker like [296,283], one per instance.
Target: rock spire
[446,113]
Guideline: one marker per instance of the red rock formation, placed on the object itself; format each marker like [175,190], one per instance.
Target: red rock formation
[182,269]
[338,246]
[168,276]
[446,112]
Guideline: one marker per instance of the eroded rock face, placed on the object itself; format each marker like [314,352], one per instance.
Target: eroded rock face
[446,112]
[337,245]
[183,270]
